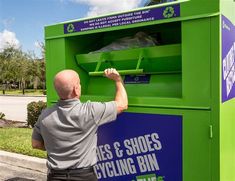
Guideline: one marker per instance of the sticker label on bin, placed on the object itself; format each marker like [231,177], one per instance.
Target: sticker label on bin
[140,147]
[128,18]
[228,59]
[137,79]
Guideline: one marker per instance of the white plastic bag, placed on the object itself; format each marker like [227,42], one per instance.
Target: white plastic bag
[139,40]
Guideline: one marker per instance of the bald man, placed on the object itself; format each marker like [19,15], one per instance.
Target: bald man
[68,130]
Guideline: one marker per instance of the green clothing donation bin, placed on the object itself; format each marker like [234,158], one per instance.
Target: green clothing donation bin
[180,124]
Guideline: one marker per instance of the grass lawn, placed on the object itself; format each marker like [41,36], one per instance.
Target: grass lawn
[19,92]
[18,140]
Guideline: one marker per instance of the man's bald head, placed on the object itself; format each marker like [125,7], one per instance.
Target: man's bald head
[67,84]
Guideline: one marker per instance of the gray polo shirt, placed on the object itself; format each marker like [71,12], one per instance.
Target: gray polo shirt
[69,131]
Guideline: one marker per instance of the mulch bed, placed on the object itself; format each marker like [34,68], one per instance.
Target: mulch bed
[10,123]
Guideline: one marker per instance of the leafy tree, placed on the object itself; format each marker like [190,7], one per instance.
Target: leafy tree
[22,69]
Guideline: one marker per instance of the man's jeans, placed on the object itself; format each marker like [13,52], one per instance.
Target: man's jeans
[84,174]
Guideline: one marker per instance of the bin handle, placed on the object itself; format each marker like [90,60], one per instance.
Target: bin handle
[121,72]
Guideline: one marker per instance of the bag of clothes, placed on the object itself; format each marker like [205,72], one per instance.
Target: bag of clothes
[140,39]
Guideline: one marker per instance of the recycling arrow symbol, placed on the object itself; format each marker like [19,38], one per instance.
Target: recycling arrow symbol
[169,12]
[70,28]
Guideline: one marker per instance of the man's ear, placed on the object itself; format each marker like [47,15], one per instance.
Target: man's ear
[76,90]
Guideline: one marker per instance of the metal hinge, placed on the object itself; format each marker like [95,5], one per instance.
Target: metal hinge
[211,131]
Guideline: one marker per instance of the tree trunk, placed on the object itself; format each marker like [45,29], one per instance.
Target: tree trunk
[4,88]
[35,84]
[23,86]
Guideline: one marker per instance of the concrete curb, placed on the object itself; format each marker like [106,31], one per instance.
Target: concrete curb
[28,162]
[9,95]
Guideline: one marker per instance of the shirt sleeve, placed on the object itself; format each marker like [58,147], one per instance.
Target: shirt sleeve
[104,112]
[36,135]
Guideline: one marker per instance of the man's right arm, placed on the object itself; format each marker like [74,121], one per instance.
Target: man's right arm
[121,95]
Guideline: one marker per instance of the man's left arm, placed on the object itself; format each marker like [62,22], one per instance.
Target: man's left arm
[37,140]
[38,145]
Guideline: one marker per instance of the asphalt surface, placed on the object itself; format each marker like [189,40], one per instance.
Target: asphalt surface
[15,107]
[14,173]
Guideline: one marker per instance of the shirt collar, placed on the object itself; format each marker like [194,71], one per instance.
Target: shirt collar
[68,102]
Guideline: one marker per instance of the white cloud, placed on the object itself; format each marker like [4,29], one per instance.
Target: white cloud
[99,7]
[8,38]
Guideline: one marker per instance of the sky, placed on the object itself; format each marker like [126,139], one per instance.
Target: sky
[22,22]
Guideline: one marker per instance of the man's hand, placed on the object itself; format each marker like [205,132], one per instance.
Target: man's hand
[38,145]
[112,74]
[121,95]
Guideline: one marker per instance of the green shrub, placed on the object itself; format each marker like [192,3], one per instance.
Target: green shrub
[34,109]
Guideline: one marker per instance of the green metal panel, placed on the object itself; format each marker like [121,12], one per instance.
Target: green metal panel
[200,7]
[215,95]
[196,62]
[152,60]
[55,56]
[227,141]
[227,113]
[227,8]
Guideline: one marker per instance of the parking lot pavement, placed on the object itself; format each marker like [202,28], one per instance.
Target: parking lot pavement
[15,107]
[18,167]
[14,173]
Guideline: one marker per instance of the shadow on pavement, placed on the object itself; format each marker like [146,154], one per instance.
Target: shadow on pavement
[19,179]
